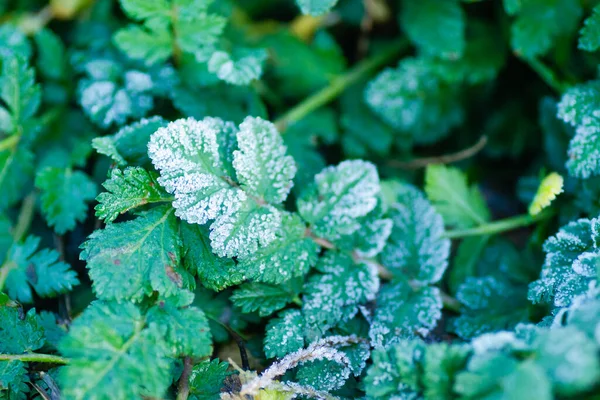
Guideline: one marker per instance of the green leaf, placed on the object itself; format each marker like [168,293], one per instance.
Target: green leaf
[416,248]
[130,144]
[128,189]
[65,194]
[21,332]
[325,375]
[15,163]
[18,89]
[540,23]
[239,68]
[15,41]
[416,86]
[460,205]
[339,197]
[290,255]
[131,260]
[140,9]
[186,327]
[436,28]
[53,330]
[334,295]
[41,270]
[285,334]
[261,164]
[13,380]
[114,353]
[489,304]
[51,51]
[207,378]
[261,297]
[316,7]
[151,43]
[404,312]
[441,363]
[465,261]
[589,39]
[214,272]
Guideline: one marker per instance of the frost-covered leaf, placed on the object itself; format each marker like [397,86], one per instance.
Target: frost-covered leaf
[186,153]
[589,39]
[316,7]
[41,270]
[131,260]
[214,272]
[207,378]
[404,312]
[578,104]
[415,100]
[21,332]
[334,295]
[290,255]
[127,189]
[571,264]
[325,375]
[114,353]
[285,334]
[540,23]
[239,68]
[186,328]
[584,153]
[261,164]
[416,248]
[489,304]
[437,28]
[261,297]
[341,194]
[65,194]
[130,143]
[460,205]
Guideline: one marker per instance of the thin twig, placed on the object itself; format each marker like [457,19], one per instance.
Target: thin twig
[35,357]
[25,217]
[443,159]
[183,387]
[40,391]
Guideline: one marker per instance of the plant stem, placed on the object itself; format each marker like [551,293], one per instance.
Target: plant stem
[183,388]
[339,84]
[25,217]
[546,74]
[10,142]
[34,357]
[443,159]
[500,226]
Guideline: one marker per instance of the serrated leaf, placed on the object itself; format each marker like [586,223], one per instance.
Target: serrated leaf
[261,297]
[589,35]
[437,28]
[239,68]
[583,154]
[489,304]
[186,328]
[441,362]
[261,164]
[53,330]
[41,270]
[285,334]
[324,375]
[290,255]
[334,295]
[130,144]
[140,9]
[340,195]
[316,7]
[416,248]
[214,272]
[413,99]
[114,353]
[570,266]
[65,194]
[460,205]
[21,332]
[18,89]
[127,189]
[13,380]
[151,43]
[207,378]
[404,312]
[131,260]
[15,41]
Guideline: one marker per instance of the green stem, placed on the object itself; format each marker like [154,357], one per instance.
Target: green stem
[339,84]
[34,357]
[25,217]
[546,74]
[10,142]
[500,226]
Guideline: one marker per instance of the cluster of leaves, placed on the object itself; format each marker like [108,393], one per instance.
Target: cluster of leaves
[186,202]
